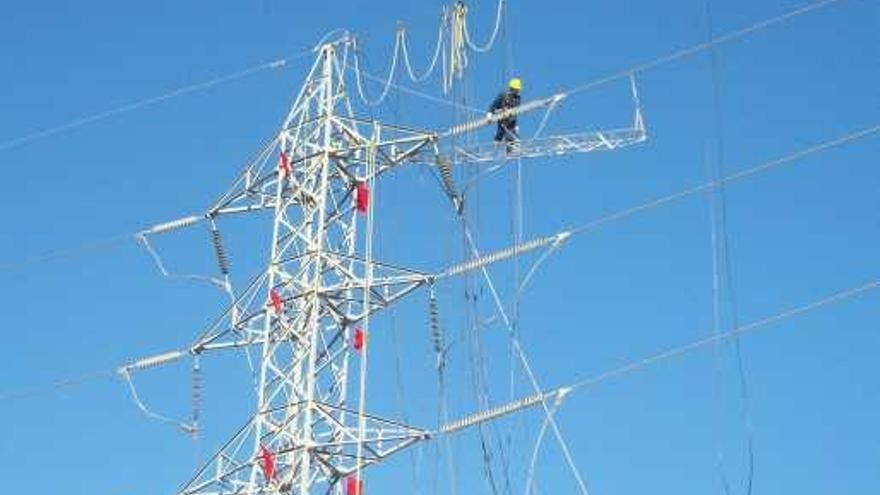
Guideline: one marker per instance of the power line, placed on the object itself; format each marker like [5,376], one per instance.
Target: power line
[626,73]
[136,105]
[89,119]
[622,370]
[633,366]
[758,169]
[85,248]
[766,166]
[645,66]
[685,52]
[57,385]
[611,217]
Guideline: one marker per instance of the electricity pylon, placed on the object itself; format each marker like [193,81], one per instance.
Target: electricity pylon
[307,312]
[305,318]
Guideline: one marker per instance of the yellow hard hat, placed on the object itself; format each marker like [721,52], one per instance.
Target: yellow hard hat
[515,83]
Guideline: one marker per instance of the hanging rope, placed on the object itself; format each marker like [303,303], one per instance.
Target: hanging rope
[438,48]
[417,93]
[721,263]
[452,34]
[359,76]
[557,432]
[458,60]
[495,30]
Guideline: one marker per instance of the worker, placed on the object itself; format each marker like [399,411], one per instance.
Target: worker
[507,132]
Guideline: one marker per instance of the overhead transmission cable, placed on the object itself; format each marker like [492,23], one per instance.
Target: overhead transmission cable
[394,63]
[139,104]
[72,252]
[743,174]
[714,338]
[720,40]
[616,372]
[631,71]
[625,73]
[592,224]
[665,355]
[670,57]
[57,385]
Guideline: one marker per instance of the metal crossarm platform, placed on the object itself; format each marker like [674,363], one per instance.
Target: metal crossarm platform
[550,146]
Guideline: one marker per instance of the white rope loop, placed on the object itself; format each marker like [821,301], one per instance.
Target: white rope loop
[499,11]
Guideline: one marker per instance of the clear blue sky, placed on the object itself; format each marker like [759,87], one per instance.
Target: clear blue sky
[620,292]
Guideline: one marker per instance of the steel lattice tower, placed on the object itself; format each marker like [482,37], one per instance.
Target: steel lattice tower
[302,320]
[321,286]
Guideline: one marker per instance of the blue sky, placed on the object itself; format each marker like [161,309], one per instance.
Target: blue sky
[611,295]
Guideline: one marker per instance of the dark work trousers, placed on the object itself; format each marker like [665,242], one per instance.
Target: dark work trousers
[506,131]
